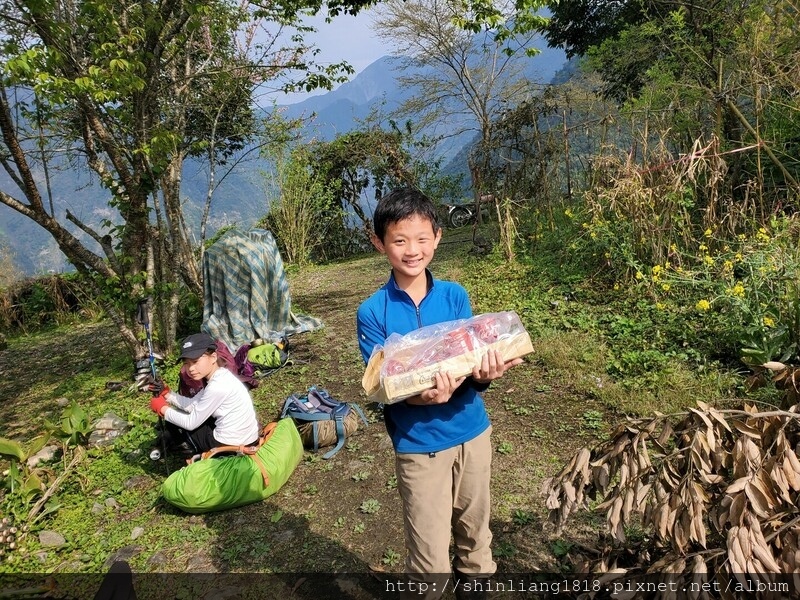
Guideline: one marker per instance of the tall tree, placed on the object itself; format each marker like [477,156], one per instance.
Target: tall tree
[464,66]
[130,89]
[698,69]
[367,158]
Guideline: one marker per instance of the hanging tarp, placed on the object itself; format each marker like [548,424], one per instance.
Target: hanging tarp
[245,292]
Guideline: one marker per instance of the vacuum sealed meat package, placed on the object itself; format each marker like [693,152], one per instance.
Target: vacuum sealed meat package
[407,364]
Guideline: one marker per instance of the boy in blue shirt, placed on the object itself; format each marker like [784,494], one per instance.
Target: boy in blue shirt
[441,436]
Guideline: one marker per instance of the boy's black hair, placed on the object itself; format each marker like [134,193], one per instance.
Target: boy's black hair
[400,204]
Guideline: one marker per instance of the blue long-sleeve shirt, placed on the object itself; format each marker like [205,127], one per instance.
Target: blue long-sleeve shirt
[431,428]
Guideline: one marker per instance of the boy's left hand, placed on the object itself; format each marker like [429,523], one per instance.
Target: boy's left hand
[492,367]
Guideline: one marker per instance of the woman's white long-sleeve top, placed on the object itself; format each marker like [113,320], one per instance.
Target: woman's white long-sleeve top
[227,400]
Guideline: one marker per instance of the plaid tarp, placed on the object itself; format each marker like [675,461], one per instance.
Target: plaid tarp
[245,292]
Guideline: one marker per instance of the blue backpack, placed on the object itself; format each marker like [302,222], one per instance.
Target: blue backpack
[321,419]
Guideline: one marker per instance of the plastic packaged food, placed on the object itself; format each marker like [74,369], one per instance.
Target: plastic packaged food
[406,365]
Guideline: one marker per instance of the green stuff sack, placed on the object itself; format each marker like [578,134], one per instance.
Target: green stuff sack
[221,483]
[267,356]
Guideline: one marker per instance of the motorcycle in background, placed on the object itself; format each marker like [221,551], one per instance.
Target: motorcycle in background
[459,215]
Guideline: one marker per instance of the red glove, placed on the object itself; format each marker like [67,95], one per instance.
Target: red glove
[159,404]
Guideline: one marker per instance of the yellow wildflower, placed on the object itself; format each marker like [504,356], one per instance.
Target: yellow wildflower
[708,260]
[639,275]
[702,305]
[707,233]
[569,213]
[768,322]
[660,306]
[703,248]
[665,287]
[738,290]
[656,269]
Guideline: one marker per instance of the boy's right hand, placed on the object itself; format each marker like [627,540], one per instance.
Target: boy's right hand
[446,384]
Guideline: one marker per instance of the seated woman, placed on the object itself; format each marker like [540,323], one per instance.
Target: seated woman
[189,387]
[219,414]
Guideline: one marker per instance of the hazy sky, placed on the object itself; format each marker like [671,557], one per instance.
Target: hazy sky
[345,38]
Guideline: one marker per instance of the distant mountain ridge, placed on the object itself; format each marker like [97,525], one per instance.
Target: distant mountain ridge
[340,110]
[369,85]
[240,198]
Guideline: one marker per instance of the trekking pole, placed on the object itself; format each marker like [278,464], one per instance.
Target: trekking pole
[143,319]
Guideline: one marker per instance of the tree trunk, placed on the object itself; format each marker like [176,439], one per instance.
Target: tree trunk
[475,175]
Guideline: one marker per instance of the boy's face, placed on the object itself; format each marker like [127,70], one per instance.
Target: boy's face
[409,245]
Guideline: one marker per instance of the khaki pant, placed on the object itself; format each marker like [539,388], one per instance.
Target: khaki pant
[444,494]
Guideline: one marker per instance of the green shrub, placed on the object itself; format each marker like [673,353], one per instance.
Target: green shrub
[741,297]
[303,211]
[190,314]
